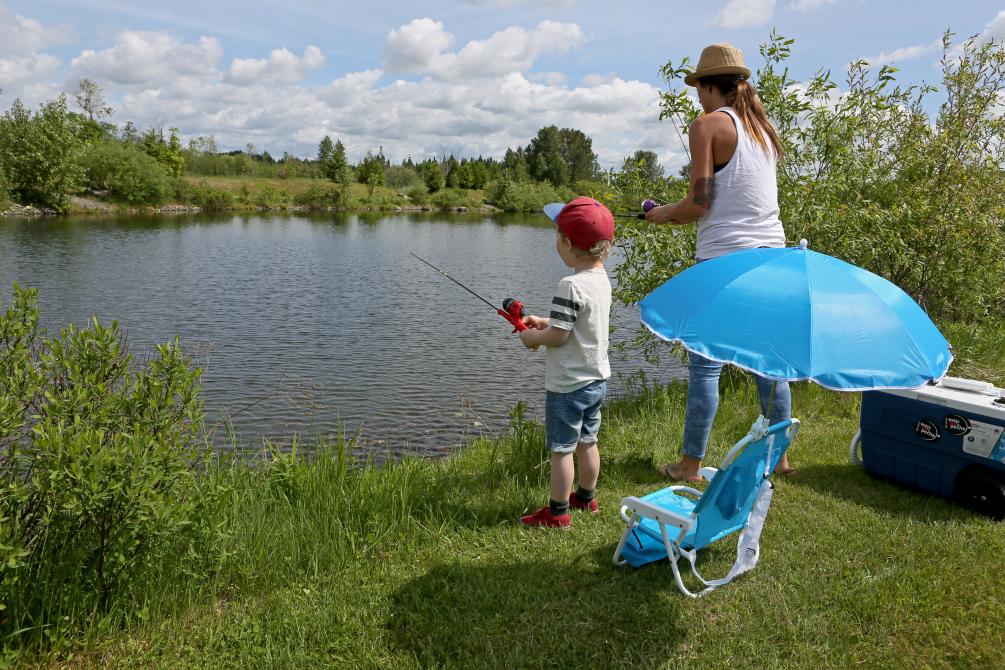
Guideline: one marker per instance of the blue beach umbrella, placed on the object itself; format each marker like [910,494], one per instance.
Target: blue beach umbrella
[793,314]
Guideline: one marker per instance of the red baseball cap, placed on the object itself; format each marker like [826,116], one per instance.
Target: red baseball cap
[583,220]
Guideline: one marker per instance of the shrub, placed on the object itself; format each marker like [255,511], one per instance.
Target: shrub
[4,192]
[126,172]
[417,194]
[40,152]
[318,196]
[869,176]
[400,177]
[526,196]
[98,492]
[452,198]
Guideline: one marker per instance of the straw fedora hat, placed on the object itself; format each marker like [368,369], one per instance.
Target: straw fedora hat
[718,59]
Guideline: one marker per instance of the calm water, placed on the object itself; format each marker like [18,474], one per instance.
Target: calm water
[306,323]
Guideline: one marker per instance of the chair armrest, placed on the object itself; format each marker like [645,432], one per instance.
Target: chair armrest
[685,489]
[707,473]
[646,509]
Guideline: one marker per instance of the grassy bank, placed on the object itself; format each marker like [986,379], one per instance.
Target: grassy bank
[247,193]
[422,563]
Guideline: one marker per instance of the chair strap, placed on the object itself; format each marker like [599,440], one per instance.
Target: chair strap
[748,547]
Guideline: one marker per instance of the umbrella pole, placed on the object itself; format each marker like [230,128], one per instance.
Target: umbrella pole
[771,399]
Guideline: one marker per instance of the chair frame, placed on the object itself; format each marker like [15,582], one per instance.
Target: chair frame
[633,509]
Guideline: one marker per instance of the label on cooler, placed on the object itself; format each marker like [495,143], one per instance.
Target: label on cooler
[983,439]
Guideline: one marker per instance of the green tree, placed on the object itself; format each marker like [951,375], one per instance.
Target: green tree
[326,151]
[4,189]
[371,172]
[577,149]
[91,99]
[453,179]
[648,164]
[340,172]
[167,152]
[561,157]
[40,152]
[515,164]
[432,176]
[545,159]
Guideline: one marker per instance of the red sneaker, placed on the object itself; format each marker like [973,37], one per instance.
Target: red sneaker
[544,517]
[575,502]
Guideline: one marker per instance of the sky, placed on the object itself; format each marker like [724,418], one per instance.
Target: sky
[424,79]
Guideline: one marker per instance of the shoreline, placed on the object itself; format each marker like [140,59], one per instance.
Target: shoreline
[17,211]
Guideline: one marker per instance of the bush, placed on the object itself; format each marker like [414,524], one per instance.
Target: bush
[452,198]
[98,494]
[417,194]
[4,192]
[400,177]
[40,153]
[126,172]
[526,196]
[203,196]
[319,196]
[597,190]
[869,176]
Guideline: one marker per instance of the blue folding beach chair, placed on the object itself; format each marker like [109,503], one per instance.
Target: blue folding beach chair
[665,524]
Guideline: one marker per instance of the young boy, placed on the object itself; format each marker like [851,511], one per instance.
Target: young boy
[577,368]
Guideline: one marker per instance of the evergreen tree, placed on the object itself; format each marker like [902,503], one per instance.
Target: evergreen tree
[326,152]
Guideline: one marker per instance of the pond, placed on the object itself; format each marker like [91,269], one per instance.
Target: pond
[310,323]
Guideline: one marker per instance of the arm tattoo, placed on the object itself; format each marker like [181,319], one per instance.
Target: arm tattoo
[703,194]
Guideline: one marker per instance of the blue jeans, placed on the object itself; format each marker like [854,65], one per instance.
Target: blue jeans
[703,401]
[573,418]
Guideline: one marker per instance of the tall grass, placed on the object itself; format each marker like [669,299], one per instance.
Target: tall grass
[323,560]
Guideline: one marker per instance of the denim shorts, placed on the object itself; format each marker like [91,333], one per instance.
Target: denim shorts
[573,418]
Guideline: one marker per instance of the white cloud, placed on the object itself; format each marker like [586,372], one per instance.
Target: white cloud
[30,68]
[20,35]
[905,53]
[23,66]
[414,47]
[480,97]
[150,60]
[744,14]
[545,4]
[420,47]
[806,6]
[281,65]
[995,29]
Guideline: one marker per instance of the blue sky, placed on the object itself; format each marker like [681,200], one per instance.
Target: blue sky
[466,76]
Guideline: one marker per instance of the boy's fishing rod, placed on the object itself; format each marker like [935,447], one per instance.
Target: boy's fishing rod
[512,309]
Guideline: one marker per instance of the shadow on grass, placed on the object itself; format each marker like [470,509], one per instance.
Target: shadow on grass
[853,484]
[540,613]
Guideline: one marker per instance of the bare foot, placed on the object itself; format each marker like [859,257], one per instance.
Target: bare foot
[783,467]
[685,470]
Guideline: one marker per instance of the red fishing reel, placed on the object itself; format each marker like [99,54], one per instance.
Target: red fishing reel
[512,311]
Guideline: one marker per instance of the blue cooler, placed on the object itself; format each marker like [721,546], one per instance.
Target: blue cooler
[947,438]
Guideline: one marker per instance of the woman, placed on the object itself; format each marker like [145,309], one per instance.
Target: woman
[733,198]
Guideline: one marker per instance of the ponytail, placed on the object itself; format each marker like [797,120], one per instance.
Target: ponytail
[742,97]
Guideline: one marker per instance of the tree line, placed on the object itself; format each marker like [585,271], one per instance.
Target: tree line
[54,152]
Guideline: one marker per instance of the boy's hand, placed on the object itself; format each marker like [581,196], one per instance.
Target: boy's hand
[528,338]
[537,322]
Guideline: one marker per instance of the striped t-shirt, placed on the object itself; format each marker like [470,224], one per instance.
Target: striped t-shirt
[581,304]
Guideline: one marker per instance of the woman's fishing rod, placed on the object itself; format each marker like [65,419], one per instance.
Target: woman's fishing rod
[647,204]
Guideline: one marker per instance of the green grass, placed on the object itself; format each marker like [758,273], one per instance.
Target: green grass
[325,563]
[251,190]
[423,564]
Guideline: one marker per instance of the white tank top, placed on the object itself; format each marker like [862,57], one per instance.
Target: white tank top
[744,211]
